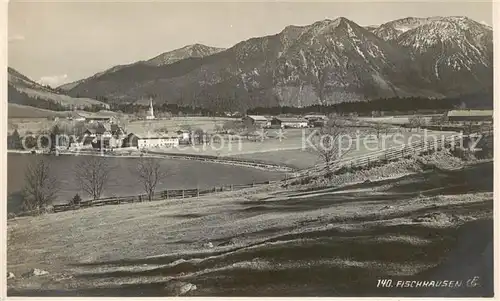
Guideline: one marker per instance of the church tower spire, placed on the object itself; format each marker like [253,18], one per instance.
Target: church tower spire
[151,114]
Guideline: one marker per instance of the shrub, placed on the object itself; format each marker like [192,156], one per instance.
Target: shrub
[76,200]
[463,153]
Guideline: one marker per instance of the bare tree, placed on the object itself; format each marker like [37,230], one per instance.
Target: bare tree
[93,175]
[150,174]
[40,186]
[327,143]
[380,129]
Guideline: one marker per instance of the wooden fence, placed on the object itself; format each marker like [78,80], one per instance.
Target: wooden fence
[161,195]
[387,155]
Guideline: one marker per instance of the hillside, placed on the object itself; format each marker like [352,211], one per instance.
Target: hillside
[270,241]
[24,91]
[21,111]
[327,62]
[166,58]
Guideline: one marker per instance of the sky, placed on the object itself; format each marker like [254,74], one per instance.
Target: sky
[60,42]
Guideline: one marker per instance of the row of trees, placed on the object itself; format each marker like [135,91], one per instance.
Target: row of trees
[92,174]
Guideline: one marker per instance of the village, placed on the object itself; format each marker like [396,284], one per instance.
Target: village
[267,149]
[108,131]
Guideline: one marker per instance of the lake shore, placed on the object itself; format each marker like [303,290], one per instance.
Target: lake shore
[263,165]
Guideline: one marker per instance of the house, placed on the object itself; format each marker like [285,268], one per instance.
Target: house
[256,120]
[184,136]
[314,117]
[289,122]
[101,116]
[469,115]
[316,120]
[117,131]
[150,140]
[103,130]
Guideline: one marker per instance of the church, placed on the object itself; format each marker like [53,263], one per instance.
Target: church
[151,114]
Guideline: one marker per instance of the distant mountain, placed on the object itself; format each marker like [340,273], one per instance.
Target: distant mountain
[24,91]
[390,31]
[195,50]
[327,62]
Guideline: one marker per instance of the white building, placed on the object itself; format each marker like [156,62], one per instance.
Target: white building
[153,140]
[289,122]
[151,114]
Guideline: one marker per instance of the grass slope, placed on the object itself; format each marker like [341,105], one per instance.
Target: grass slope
[264,244]
[21,111]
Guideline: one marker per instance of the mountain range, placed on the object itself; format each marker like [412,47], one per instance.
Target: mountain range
[24,91]
[327,62]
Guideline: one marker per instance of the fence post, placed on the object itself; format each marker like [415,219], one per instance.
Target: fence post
[231,187]
[182,193]
[167,194]
[197,192]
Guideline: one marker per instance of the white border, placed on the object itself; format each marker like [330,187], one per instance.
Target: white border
[3,150]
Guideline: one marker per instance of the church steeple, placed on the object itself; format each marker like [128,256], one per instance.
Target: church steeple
[151,114]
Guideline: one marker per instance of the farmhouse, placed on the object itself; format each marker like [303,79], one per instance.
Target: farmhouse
[103,130]
[315,117]
[469,115]
[316,120]
[117,131]
[289,122]
[256,120]
[150,140]
[184,136]
[101,116]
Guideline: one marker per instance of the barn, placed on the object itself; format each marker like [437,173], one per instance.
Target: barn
[469,115]
[256,120]
[289,122]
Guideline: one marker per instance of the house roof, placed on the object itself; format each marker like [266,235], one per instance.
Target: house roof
[151,135]
[470,113]
[311,116]
[257,117]
[290,119]
[116,128]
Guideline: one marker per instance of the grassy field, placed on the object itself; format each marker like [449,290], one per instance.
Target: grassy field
[21,112]
[265,241]
[292,153]
[175,123]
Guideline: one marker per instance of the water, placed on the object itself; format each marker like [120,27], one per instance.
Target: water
[123,181]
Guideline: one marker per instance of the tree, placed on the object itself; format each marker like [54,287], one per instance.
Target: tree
[217,128]
[76,200]
[416,122]
[93,175]
[199,135]
[40,186]
[14,140]
[150,174]
[231,125]
[54,137]
[327,143]
[380,129]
